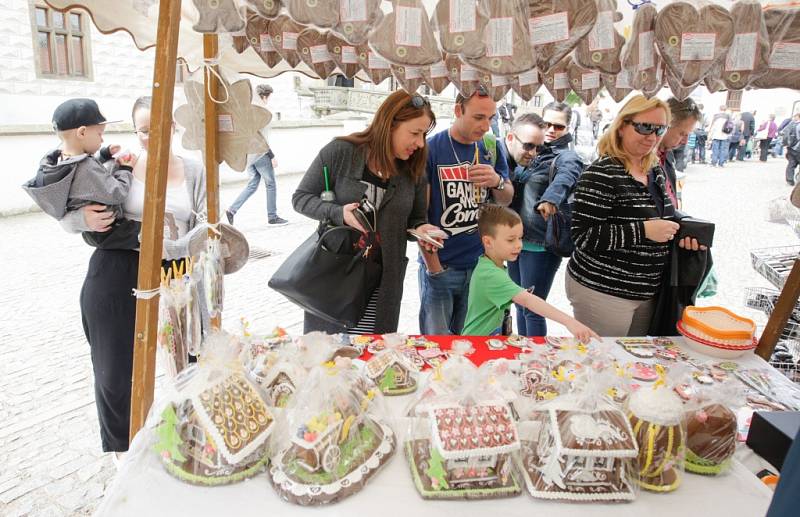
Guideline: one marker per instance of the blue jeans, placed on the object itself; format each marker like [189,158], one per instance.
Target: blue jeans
[443,300]
[719,151]
[259,169]
[535,269]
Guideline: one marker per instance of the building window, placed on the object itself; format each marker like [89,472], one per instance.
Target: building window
[734,100]
[181,71]
[537,101]
[61,43]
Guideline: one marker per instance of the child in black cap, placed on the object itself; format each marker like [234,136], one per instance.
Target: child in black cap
[72,176]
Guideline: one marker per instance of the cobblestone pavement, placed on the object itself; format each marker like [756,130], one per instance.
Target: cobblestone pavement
[49,440]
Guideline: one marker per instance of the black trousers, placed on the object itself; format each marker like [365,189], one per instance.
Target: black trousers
[794,161]
[108,310]
[765,146]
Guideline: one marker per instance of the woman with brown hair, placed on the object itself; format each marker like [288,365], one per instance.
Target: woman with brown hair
[621,225]
[384,164]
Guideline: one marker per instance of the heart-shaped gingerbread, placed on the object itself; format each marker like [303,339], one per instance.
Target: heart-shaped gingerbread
[617,85]
[601,48]
[259,38]
[357,19]
[692,42]
[436,76]
[284,32]
[410,78]
[314,12]
[463,76]
[783,26]
[556,27]
[584,82]
[495,85]
[373,64]
[748,57]
[460,26]
[679,91]
[312,46]
[405,36]
[557,80]
[264,8]
[639,57]
[506,37]
[526,84]
[343,54]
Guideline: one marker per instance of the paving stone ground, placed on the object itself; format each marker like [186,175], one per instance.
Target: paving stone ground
[50,457]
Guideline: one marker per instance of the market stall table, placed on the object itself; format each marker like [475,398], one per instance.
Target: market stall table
[143,487]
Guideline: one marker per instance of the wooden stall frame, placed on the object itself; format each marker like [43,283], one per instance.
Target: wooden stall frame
[144,341]
[211,151]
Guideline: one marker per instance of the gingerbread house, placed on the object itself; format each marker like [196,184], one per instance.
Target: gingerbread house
[468,454]
[279,378]
[218,435]
[580,455]
[393,372]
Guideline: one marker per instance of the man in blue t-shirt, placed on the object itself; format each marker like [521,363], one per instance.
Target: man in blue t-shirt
[461,177]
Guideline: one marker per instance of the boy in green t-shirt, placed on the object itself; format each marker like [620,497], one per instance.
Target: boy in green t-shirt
[491,290]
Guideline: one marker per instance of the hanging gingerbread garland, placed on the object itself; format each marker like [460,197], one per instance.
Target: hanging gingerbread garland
[373,64]
[557,80]
[526,84]
[556,27]
[601,48]
[284,33]
[460,24]
[508,49]
[312,46]
[436,76]
[405,36]
[343,54]
[259,38]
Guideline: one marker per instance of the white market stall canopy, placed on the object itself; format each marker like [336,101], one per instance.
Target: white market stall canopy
[579,45]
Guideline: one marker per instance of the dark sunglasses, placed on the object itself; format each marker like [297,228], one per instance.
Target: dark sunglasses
[646,128]
[527,146]
[557,127]
[418,101]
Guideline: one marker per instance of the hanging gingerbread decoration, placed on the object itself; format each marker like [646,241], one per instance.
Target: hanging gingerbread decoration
[405,36]
[259,38]
[556,27]
[601,48]
[460,24]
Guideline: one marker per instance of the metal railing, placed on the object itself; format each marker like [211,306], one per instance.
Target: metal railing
[331,99]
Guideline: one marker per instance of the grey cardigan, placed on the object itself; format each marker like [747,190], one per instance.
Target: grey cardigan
[404,206]
[195,182]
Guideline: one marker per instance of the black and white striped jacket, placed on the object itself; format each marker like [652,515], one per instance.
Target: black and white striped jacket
[611,254]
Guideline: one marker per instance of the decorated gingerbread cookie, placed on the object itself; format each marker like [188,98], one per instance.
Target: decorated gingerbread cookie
[218,16]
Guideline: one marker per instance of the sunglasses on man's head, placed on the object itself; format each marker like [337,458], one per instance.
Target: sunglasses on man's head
[557,127]
[527,146]
[646,128]
[418,101]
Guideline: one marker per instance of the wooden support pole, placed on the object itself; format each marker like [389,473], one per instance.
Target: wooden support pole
[210,49]
[144,340]
[780,314]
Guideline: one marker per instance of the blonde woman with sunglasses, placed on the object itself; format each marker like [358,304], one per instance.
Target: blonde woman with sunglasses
[621,224]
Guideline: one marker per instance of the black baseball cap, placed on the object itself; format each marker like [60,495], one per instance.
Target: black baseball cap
[75,113]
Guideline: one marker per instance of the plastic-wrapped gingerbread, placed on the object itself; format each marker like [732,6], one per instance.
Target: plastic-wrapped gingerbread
[656,417]
[556,27]
[783,26]
[258,36]
[585,82]
[617,85]
[526,84]
[460,24]
[692,41]
[218,16]
[405,36]
[463,76]
[312,46]
[748,57]
[436,76]
[357,18]
[313,12]
[497,86]
[601,48]
[213,430]
[556,80]
[265,8]
[679,91]
[639,57]
[409,77]
[335,437]
[284,33]
[508,49]
[239,42]
[373,64]
[343,54]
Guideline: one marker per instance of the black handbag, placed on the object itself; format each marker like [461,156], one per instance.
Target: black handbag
[333,274]
[698,229]
[558,234]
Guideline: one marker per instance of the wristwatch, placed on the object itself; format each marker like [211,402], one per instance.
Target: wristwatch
[502,184]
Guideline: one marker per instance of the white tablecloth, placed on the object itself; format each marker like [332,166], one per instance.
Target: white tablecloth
[143,487]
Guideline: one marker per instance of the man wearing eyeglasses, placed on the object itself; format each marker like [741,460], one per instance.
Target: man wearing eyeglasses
[462,175]
[541,198]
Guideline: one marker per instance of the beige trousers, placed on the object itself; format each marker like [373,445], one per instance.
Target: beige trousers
[609,316]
